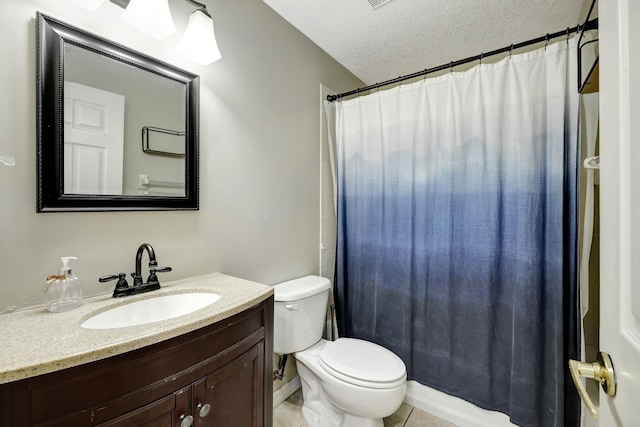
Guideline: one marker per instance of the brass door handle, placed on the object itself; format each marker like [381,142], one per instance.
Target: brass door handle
[601,371]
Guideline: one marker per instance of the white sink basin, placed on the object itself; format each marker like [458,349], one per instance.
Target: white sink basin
[150,310]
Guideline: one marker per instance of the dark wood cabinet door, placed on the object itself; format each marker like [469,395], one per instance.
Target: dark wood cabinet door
[234,392]
[165,412]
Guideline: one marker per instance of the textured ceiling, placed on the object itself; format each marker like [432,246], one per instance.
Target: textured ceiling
[405,36]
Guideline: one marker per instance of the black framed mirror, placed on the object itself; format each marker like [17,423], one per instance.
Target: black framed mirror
[116,130]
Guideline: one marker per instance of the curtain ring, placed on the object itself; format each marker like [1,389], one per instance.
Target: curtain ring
[481,56]
[451,67]
[510,50]
[546,41]
[567,35]
[425,75]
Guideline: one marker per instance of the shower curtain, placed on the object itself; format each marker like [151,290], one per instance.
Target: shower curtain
[457,219]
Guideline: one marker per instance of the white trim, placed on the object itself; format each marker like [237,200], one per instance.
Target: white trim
[321,250]
[452,409]
[287,389]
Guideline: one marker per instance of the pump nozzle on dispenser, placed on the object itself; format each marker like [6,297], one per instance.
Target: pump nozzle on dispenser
[65,269]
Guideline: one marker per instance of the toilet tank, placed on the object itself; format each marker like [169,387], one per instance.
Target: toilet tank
[299,313]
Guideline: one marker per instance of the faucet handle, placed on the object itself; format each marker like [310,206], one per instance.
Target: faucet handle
[108,278]
[153,279]
[120,286]
[122,282]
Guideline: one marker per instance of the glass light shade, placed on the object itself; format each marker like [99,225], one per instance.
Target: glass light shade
[152,17]
[88,4]
[199,40]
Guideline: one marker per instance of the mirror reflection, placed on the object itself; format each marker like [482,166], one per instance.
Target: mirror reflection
[123,128]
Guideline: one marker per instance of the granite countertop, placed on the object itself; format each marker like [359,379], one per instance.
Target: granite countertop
[37,342]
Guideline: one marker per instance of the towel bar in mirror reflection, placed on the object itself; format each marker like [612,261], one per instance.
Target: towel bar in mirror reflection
[147,131]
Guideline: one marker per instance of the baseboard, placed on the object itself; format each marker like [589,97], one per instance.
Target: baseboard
[452,409]
[287,389]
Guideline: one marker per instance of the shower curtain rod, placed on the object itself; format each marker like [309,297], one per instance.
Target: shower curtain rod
[589,25]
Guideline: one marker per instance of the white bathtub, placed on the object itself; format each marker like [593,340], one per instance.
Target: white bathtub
[453,409]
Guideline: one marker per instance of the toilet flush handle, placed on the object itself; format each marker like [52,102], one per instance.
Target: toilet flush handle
[291,307]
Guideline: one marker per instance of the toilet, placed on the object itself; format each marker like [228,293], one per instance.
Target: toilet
[345,383]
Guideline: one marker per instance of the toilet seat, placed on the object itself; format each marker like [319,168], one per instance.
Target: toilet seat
[362,363]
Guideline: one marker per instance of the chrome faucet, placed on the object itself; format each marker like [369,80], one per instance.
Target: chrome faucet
[123,288]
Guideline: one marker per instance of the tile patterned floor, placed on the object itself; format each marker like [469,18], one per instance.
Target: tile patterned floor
[288,414]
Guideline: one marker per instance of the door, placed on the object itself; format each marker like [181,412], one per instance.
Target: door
[234,393]
[169,411]
[620,207]
[93,140]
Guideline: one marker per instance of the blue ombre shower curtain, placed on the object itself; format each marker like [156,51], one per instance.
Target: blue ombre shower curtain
[457,232]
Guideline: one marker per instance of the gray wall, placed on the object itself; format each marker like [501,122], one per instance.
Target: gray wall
[259,214]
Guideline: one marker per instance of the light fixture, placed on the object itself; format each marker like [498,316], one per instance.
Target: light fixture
[88,4]
[199,40]
[152,17]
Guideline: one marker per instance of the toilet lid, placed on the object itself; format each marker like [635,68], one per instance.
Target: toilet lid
[362,362]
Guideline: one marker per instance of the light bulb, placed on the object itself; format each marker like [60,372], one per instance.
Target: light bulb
[199,40]
[152,17]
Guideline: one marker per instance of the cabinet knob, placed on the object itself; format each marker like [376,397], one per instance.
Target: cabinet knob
[203,410]
[186,420]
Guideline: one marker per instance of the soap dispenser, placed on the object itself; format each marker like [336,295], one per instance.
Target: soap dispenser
[64,291]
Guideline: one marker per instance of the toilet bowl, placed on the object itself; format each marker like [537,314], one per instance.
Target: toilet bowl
[345,383]
[361,394]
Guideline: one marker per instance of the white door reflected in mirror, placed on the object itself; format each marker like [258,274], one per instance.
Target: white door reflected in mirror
[93,140]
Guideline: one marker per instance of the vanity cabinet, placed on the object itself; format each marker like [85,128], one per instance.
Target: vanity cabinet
[220,375]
